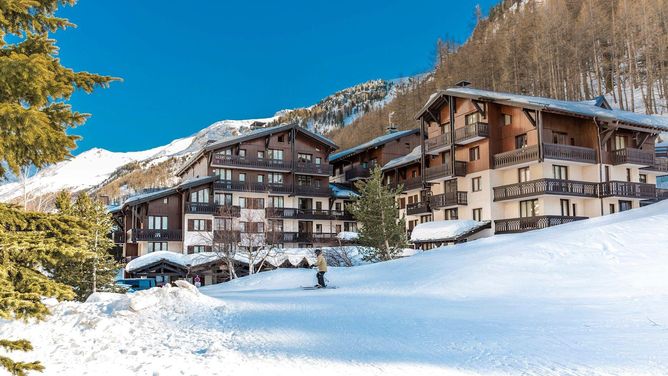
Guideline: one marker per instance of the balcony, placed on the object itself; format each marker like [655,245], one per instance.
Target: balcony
[507,226]
[303,237]
[627,189]
[418,208]
[448,199]
[310,168]
[241,186]
[358,172]
[294,213]
[214,209]
[312,190]
[444,171]
[630,156]
[435,145]
[517,156]
[250,163]
[408,184]
[471,133]
[659,165]
[569,153]
[142,234]
[118,237]
[226,236]
[546,186]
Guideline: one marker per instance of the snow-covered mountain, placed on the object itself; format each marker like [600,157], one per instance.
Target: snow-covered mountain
[98,169]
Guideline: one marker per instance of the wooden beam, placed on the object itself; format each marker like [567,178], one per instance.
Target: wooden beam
[531,118]
[641,138]
[480,109]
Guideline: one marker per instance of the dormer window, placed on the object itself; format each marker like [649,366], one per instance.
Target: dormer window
[471,119]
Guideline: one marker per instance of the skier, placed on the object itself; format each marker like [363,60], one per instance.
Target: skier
[321,263]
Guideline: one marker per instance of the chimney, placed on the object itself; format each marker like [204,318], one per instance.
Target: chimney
[391,128]
[463,83]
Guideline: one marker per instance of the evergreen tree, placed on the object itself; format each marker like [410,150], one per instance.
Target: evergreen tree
[32,245]
[34,86]
[381,228]
[96,273]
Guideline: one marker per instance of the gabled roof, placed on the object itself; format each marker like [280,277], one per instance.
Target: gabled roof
[342,191]
[597,108]
[414,156]
[256,133]
[146,197]
[376,142]
[447,230]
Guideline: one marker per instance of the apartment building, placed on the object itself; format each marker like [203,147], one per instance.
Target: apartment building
[267,187]
[528,162]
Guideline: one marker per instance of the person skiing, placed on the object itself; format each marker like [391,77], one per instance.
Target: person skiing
[321,263]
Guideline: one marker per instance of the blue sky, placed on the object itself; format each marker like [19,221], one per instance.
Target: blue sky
[185,67]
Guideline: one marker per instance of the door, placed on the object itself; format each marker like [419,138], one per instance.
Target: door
[450,188]
[305,230]
[305,203]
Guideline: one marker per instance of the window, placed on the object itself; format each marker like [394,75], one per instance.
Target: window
[260,154]
[318,228]
[198,248]
[612,208]
[303,180]
[350,226]
[222,199]
[157,223]
[477,214]
[521,141]
[625,205]
[222,224]
[303,157]
[251,203]
[560,138]
[628,174]
[560,172]
[528,208]
[243,226]
[472,118]
[318,206]
[642,178]
[157,246]
[565,208]
[276,154]
[318,160]
[620,143]
[242,153]
[258,227]
[242,176]
[199,225]
[474,153]
[165,200]
[574,212]
[451,214]
[507,119]
[337,206]
[281,138]
[414,174]
[338,229]
[276,201]
[523,174]
[425,218]
[260,178]
[225,152]
[200,196]
[223,173]
[275,225]
[607,173]
[402,203]
[275,178]
[476,186]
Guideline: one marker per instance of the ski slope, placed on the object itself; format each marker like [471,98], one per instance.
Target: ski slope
[587,298]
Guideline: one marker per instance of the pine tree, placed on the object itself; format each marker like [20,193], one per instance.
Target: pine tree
[96,273]
[34,87]
[381,228]
[32,245]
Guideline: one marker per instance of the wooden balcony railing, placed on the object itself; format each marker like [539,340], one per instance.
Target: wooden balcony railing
[302,237]
[660,165]
[408,184]
[505,226]
[627,189]
[118,237]
[546,186]
[313,168]
[517,156]
[262,163]
[446,170]
[142,234]
[471,132]
[569,153]
[631,156]
[417,208]
[307,214]
[358,172]
[226,236]
[212,208]
[232,185]
[312,190]
[439,142]
[448,199]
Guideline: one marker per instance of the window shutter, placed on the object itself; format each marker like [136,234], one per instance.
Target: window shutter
[207,248]
[209,225]
[191,249]
[191,224]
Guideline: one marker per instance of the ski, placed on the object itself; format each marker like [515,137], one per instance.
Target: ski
[317,288]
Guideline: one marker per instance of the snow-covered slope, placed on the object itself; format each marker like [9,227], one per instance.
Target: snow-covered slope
[587,298]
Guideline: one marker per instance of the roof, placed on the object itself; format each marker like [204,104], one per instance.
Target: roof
[196,182]
[594,109]
[255,133]
[444,231]
[342,191]
[412,157]
[146,197]
[378,141]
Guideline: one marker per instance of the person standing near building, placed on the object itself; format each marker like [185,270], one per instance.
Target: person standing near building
[321,263]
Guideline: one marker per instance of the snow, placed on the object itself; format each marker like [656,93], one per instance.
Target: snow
[340,191]
[347,235]
[442,230]
[585,298]
[411,157]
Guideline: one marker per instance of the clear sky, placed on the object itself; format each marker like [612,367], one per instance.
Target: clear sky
[187,64]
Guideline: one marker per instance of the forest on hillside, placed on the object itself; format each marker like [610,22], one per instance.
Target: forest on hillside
[566,49]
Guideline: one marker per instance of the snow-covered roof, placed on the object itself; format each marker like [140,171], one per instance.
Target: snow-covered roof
[347,235]
[380,140]
[149,196]
[593,109]
[448,230]
[411,157]
[341,191]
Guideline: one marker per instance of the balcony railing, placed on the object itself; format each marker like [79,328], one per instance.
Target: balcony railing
[313,168]
[212,208]
[505,226]
[448,199]
[307,214]
[627,189]
[446,170]
[312,190]
[302,237]
[142,234]
[408,184]
[358,172]
[546,186]
[631,156]
[517,156]
[261,163]
[660,165]
[232,185]
[471,133]
[226,236]
[118,237]
[569,153]
[417,208]
[435,144]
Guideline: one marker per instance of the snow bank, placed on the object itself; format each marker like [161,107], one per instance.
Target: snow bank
[443,230]
[347,235]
